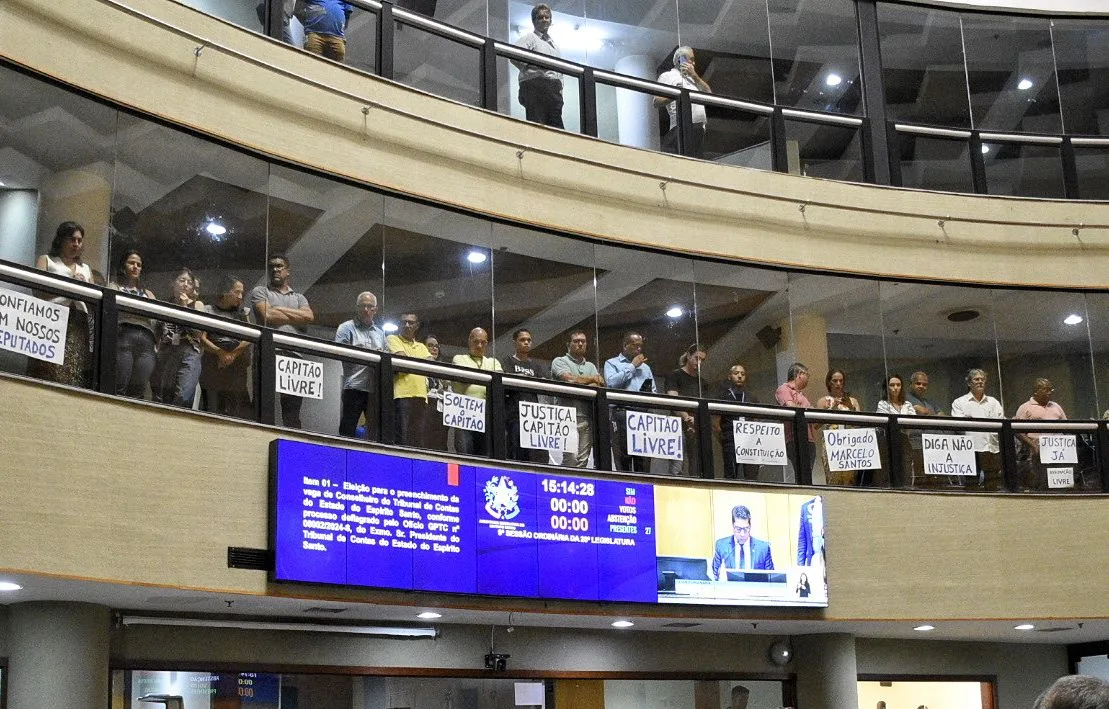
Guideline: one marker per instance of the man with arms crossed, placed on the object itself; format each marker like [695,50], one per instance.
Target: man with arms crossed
[574,368]
[358,380]
[278,305]
[740,550]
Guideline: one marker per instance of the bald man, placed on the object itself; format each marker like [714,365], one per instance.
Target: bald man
[472,442]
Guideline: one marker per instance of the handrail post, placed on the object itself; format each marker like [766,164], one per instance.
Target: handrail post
[893,446]
[495,417]
[107,343]
[386,410]
[265,383]
[602,432]
[802,464]
[704,439]
[386,33]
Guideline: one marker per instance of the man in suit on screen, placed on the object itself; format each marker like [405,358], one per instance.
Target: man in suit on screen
[740,550]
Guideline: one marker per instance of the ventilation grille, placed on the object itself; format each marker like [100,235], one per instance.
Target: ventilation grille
[247,558]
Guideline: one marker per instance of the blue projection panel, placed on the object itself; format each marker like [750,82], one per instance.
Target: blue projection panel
[368,519]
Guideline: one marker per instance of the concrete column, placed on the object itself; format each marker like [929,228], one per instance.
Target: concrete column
[826,671]
[82,195]
[805,340]
[57,655]
[635,110]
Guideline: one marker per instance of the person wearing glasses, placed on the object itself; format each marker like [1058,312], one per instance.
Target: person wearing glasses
[358,379]
[409,389]
[1038,408]
[740,550]
[278,305]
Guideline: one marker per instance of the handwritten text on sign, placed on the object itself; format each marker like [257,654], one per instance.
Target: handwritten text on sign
[654,435]
[948,455]
[299,377]
[1057,448]
[32,326]
[1060,478]
[464,412]
[547,427]
[759,442]
[851,449]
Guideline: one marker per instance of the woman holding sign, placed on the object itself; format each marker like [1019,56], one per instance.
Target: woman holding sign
[838,399]
[64,259]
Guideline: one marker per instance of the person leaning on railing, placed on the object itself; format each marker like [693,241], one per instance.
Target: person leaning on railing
[135,343]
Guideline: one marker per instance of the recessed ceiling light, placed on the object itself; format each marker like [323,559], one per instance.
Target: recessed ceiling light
[674,312]
[1024,626]
[833,80]
[389,327]
[476,256]
[985,149]
[622,624]
[1,183]
[215,229]
[1024,84]
[9,586]
[429,615]
[924,628]
[1073,319]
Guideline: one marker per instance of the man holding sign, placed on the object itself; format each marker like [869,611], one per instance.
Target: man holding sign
[472,442]
[1039,408]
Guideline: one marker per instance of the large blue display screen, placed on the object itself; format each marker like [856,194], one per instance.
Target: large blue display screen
[369,519]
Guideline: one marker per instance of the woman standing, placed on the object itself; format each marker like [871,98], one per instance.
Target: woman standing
[838,399]
[135,349]
[64,259]
[896,405]
[224,375]
[178,370]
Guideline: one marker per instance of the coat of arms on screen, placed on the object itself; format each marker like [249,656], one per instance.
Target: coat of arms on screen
[501,497]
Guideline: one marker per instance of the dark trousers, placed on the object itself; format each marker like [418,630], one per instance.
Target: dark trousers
[470,442]
[290,410]
[408,421]
[696,150]
[542,101]
[624,461]
[732,469]
[356,404]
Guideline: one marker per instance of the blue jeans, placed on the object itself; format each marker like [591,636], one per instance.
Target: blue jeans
[135,360]
[176,375]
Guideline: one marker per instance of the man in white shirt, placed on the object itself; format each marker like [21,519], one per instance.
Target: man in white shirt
[540,88]
[976,404]
[684,75]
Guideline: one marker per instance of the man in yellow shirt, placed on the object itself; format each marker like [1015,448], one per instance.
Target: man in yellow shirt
[472,442]
[409,390]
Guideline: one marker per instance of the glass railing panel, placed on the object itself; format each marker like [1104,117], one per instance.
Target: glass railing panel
[628,36]
[1012,81]
[1083,73]
[831,151]
[1023,169]
[850,454]
[750,446]
[732,46]
[1056,459]
[361,35]
[935,163]
[734,136]
[1092,165]
[245,13]
[470,16]
[816,55]
[923,72]
[1097,310]
[631,116]
[439,65]
[949,456]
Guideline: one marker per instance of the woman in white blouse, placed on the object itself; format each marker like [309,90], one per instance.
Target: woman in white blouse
[895,403]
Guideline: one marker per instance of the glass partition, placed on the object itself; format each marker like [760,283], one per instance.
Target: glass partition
[1023,169]
[934,163]
[737,137]
[439,65]
[630,35]
[824,150]
[923,72]
[1083,74]
[362,41]
[1097,307]
[245,13]
[1092,167]
[631,117]
[1011,74]
[816,55]
[732,45]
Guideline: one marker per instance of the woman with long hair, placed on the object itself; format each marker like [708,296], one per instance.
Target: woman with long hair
[178,370]
[65,259]
[838,399]
[135,345]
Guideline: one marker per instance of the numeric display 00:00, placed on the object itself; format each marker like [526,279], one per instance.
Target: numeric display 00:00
[578,507]
[570,524]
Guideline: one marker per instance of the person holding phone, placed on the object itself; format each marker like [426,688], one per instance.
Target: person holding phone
[628,371]
[684,75]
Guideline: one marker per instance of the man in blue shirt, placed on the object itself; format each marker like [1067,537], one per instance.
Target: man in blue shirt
[325,23]
[359,379]
[629,371]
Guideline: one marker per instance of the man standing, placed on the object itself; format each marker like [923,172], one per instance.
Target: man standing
[684,75]
[358,380]
[628,371]
[278,305]
[325,24]
[1039,408]
[740,550]
[918,389]
[976,404]
[472,442]
[409,389]
[686,381]
[520,364]
[790,394]
[574,368]
[540,88]
[734,391]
